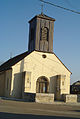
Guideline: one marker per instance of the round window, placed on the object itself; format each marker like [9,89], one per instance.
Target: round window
[44,56]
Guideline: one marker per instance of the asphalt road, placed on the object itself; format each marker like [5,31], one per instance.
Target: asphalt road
[26,110]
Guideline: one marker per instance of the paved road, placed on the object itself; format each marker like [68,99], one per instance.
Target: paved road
[25,110]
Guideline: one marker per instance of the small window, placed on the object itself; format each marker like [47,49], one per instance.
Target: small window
[44,56]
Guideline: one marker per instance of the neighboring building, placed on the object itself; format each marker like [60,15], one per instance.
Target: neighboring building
[75,88]
[38,70]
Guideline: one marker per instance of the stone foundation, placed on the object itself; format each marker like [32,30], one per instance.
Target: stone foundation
[30,97]
[44,98]
[70,98]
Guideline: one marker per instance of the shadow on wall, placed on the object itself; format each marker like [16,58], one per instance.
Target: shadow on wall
[53,85]
[22,66]
[4,115]
[18,82]
[17,85]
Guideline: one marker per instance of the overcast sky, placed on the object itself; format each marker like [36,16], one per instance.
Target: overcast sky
[14,30]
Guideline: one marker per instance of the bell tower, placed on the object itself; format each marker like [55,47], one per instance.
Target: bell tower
[41,29]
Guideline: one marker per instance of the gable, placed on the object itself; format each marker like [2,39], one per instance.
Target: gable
[52,56]
[38,59]
[42,56]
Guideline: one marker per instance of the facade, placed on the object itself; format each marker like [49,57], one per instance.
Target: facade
[38,70]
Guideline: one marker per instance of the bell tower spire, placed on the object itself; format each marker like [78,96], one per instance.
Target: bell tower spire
[41,29]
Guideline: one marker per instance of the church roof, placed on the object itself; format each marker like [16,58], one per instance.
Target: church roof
[43,16]
[8,64]
[76,83]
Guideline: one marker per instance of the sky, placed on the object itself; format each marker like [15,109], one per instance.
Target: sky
[14,30]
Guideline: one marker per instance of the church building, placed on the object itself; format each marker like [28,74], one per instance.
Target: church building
[38,70]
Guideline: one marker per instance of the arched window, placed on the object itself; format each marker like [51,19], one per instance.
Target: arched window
[42,85]
[44,33]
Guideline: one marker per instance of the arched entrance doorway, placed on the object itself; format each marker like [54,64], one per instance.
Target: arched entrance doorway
[42,85]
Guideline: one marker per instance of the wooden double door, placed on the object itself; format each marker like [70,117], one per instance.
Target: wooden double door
[42,85]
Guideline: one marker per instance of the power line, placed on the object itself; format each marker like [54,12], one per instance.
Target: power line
[59,6]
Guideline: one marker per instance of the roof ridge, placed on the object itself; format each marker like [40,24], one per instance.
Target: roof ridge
[42,16]
[13,58]
[9,63]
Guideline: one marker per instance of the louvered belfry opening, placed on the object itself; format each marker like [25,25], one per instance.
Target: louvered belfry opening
[44,33]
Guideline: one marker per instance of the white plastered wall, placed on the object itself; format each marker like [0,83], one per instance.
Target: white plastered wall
[39,66]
